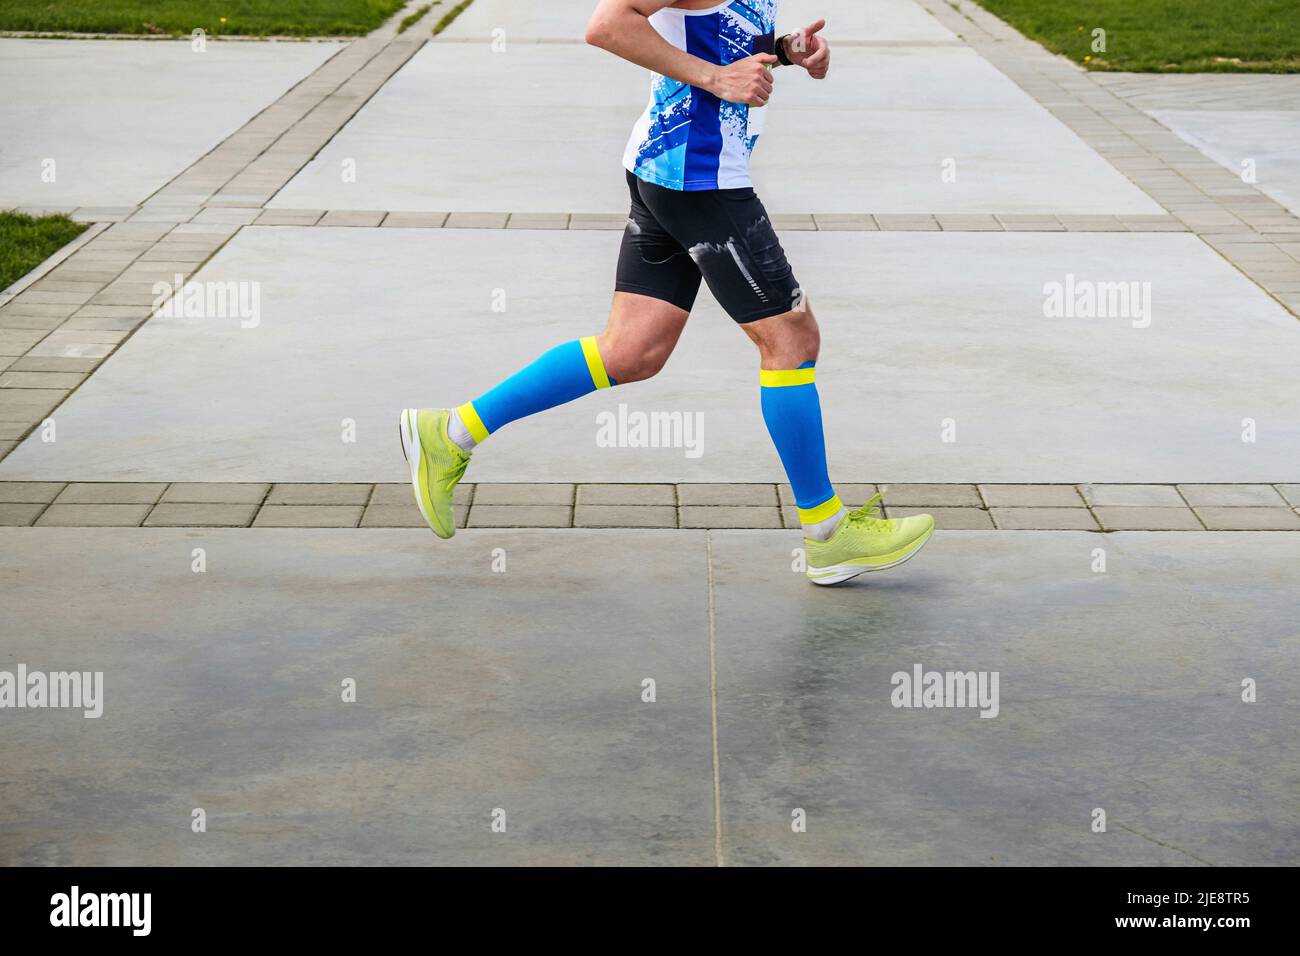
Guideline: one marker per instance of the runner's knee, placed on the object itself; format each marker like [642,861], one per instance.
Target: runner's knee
[786,341]
[630,358]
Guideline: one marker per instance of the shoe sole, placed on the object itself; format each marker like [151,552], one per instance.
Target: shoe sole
[839,573]
[410,436]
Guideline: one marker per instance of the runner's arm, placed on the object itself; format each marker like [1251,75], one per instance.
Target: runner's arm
[623,28]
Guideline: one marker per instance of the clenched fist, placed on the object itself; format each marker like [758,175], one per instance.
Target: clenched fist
[745,81]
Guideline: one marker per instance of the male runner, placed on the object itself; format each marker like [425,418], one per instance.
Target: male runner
[694,216]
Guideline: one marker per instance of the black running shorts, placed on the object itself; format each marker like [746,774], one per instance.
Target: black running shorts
[675,237]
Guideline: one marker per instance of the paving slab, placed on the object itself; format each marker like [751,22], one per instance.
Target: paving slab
[222,690]
[120,118]
[883,133]
[357,324]
[1268,139]
[881,21]
[1119,690]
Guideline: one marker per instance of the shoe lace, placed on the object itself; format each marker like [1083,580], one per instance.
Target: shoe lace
[457,471]
[871,515]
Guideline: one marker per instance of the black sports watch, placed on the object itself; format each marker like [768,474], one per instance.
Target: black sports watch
[780,51]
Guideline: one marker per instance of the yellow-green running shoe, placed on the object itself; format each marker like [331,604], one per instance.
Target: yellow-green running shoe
[865,541]
[437,463]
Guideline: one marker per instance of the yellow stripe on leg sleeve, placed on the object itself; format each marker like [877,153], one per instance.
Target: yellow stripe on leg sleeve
[822,511]
[777,378]
[473,424]
[594,364]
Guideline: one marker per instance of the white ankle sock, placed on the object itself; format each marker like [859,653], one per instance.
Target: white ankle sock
[822,530]
[458,433]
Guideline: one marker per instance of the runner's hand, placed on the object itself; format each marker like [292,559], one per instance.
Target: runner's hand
[805,48]
[745,81]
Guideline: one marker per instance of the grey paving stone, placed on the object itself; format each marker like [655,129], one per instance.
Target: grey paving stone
[625,516]
[233,217]
[200,515]
[520,516]
[405,516]
[18,514]
[1031,496]
[111,492]
[41,323]
[845,222]
[505,493]
[290,217]
[907,223]
[538,220]
[401,493]
[1133,496]
[202,492]
[1238,496]
[730,516]
[38,364]
[1291,493]
[40,492]
[40,309]
[415,220]
[947,519]
[308,516]
[476,220]
[950,496]
[806,719]
[968,223]
[319,494]
[17,341]
[1031,223]
[351,217]
[793,222]
[93,516]
[20,403]
[790,517]
[596,220]
[727,494]
[852,495]
[1249,519]
[40,379]
[52,297]
[628,494]
[1142,518]
[1044,519]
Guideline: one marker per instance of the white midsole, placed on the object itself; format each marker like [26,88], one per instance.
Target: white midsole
[411,445]
[835,573]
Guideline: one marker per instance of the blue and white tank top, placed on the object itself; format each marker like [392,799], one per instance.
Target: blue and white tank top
[687,138]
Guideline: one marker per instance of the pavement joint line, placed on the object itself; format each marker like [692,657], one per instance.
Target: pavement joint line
[1199,519]
[713,702]
[1072,95]
[1030,502]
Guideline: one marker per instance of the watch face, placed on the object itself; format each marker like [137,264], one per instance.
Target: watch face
[766,43]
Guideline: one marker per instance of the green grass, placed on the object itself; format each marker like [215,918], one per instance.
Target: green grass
[450,16]
[1164,36]
[27,241]
[410,18]
[216,17]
